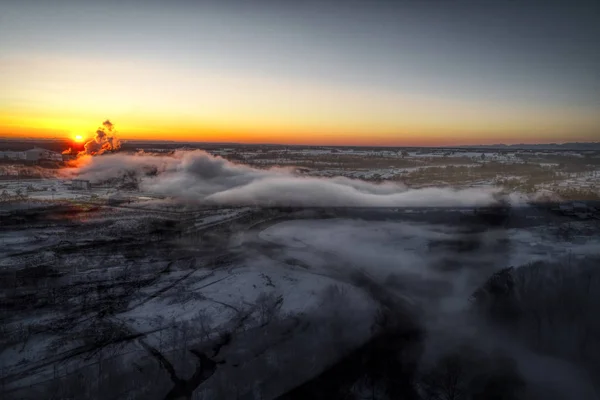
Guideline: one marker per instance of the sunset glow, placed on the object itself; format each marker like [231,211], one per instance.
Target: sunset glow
[294,77]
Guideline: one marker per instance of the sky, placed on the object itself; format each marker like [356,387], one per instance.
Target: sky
[404,72]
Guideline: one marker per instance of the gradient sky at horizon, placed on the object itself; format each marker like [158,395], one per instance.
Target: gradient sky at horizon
[403,72]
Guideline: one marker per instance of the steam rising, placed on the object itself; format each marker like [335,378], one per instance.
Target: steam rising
[200,178]
[105,140]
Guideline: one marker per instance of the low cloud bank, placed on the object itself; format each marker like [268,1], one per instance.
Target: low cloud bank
[200,178]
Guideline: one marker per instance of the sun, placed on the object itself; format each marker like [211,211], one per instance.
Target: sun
[78,138]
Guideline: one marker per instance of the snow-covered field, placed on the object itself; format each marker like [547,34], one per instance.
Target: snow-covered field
[100,298]
[563,172]
[164,289]
[389,248]
[114,291]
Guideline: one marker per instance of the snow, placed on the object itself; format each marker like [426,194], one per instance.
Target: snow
[385,247]
[299,260]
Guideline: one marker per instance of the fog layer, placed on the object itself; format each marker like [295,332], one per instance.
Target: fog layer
[198,177]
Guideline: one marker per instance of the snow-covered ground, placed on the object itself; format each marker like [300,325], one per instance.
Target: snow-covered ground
[90,276]
[164,297]
[568,174]
[286,286]
[385,248]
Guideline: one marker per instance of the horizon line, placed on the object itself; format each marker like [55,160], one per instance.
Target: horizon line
[500,144]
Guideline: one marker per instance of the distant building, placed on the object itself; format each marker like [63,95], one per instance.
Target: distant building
[81,184]
[32,155]
[12,155]
[38,154]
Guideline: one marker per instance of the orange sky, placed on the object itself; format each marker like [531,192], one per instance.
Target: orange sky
[49,97]
[193,73]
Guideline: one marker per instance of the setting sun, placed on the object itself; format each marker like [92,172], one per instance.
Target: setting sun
[78,138]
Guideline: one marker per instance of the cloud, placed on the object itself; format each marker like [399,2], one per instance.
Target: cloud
[200,178]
